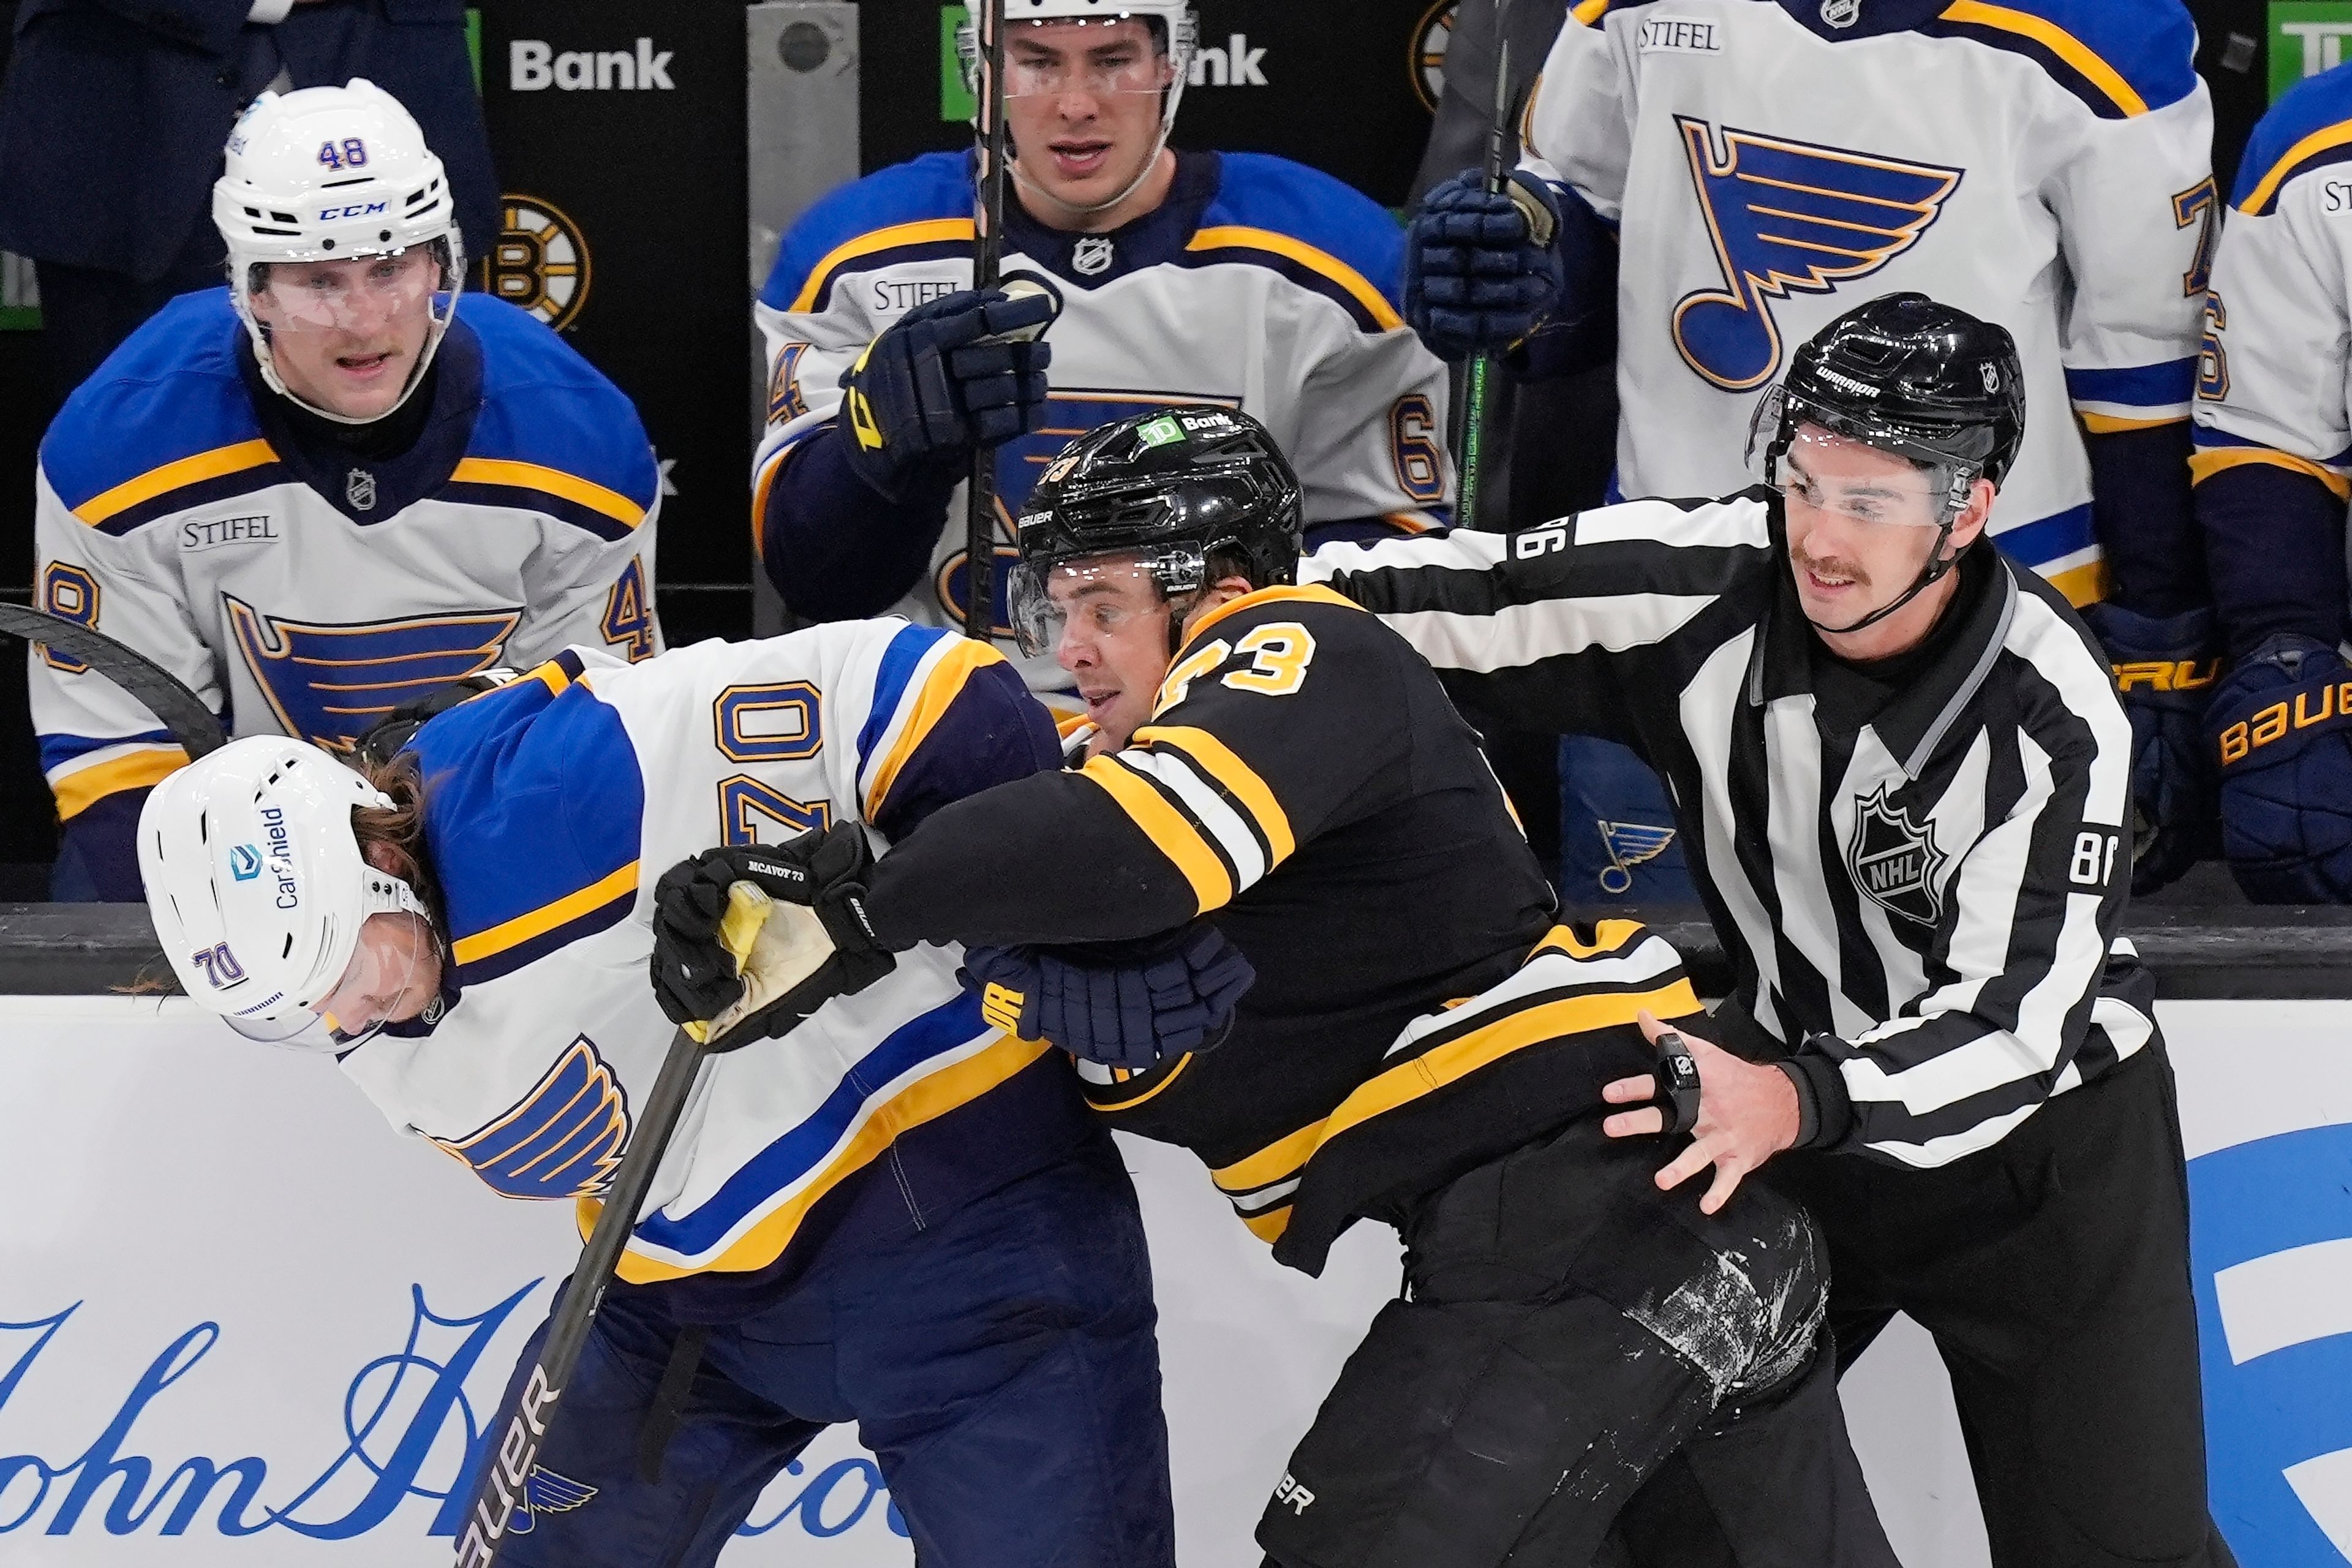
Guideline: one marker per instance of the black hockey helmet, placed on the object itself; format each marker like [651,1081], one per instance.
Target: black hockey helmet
[1173,488]
[1907,375]
[1910,376]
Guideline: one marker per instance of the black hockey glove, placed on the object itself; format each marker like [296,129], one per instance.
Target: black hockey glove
[2164,673]
[1123,1004]
[1480,268]
[388,735]
[694,971]
[958,373]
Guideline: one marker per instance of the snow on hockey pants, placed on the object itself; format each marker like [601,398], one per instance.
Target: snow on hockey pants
[1000,1364]
[1567,1327]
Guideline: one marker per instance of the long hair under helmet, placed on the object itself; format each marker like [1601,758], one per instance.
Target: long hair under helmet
[333,174]
[1909,377]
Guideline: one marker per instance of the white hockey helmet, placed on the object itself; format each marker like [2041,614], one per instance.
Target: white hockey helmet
[332,174]
[1179,35]
[256,885]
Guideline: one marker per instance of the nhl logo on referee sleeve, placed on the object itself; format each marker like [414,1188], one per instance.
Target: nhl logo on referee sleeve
[1894,861]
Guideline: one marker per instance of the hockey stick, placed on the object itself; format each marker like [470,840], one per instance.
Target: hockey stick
[194,725]
[506,1470]
[1482,367]
[987,262]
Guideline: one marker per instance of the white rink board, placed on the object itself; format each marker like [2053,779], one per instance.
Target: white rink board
[212,1251]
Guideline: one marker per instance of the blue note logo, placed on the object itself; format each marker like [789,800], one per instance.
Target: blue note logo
[245,862]
[561,1141]
[2271,1252]
[1790,217]
[330,683]
[546,1492]
[1628,845]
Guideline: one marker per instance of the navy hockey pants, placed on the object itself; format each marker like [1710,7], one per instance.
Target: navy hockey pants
[1000,1364]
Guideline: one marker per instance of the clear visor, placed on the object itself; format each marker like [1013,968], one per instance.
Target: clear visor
[1827,471]
[1076,58]
[1105,594]
[390,972]
[358,295]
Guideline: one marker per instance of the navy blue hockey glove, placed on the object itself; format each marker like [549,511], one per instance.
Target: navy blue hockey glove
[963,371]
[1123,1004]
[2164,672]
[1480,268]
[694,969]
[2279,727]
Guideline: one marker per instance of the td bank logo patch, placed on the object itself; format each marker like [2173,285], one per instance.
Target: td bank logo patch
[538,261]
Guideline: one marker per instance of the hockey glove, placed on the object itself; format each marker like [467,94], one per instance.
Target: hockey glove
[1480,268]
[2164,672]
[388,735]
[950,375]
[696,974]
[1122,1004]
[2280,730]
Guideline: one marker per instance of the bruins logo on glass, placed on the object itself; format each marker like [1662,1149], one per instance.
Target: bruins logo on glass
[538,261]
[1429,44]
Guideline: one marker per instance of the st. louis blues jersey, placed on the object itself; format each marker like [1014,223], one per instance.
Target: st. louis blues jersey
[554,804]
[1767,165]
[2273,461]
[302,587]
[1259,284]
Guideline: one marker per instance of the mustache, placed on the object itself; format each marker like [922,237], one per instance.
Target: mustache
[1831,566]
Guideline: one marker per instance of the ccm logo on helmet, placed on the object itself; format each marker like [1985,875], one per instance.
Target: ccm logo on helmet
[281,856]
[357,209]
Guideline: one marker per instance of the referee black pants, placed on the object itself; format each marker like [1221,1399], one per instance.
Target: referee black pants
[2053,1271]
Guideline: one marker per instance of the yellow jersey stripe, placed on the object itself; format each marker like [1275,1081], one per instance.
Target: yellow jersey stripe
[2083,585]
[546,917]
[1271,1163]
[554,482]
[1588,11]
[1111,1106]
[78,791]
[929,231]
[1457,1059]
[933,699]
[1284,592]
[1170,831]
[1232,236]
[923,1101]
[1240,780]
[1268,1227]
[2058,41]
[552,676]
[191,470]
[760,501]
[2110,424]
[1608,936]
[2319,140]
[2203,466]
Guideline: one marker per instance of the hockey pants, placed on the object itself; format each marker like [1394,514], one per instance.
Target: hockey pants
[1000,1364]
[1566,1326]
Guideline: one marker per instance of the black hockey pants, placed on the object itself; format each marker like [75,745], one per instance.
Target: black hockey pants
[1566,1328]
[2052,1271]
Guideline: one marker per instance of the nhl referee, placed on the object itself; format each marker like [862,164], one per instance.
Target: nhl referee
[1903,777]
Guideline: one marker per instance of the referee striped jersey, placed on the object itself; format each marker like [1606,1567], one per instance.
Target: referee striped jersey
[1921,899]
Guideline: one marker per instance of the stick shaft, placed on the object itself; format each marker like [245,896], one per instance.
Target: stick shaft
[194,725]
[1481,368]
[506,1468]
[987,264]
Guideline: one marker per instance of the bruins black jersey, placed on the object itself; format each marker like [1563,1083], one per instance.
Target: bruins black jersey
[1304,782]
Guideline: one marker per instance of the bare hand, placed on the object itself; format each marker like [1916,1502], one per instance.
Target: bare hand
[1746,1114]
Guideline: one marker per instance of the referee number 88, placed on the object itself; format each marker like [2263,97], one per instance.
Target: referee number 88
[2094,858]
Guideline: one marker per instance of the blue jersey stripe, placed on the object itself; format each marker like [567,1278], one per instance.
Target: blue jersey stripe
[802,1150]
[58,750]
[899,661]
[2048,539]
[2163,385]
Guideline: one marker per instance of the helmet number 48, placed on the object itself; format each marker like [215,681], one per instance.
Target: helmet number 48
[350,153]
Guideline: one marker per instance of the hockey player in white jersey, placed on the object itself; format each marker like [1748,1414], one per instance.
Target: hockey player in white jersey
[330,488]
[1240,279]
[1728,175]
[2273,468]
[897,1213]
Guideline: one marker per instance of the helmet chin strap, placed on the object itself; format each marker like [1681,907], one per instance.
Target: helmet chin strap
[433,336]
[1938,564]
[1013,167]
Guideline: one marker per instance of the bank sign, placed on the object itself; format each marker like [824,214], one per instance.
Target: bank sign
[2307,36]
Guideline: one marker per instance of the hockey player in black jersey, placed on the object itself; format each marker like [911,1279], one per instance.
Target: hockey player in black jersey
[1274,771]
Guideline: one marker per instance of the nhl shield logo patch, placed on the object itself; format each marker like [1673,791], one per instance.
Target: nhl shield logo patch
[1092,255]
[1894,861]
[359,490]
